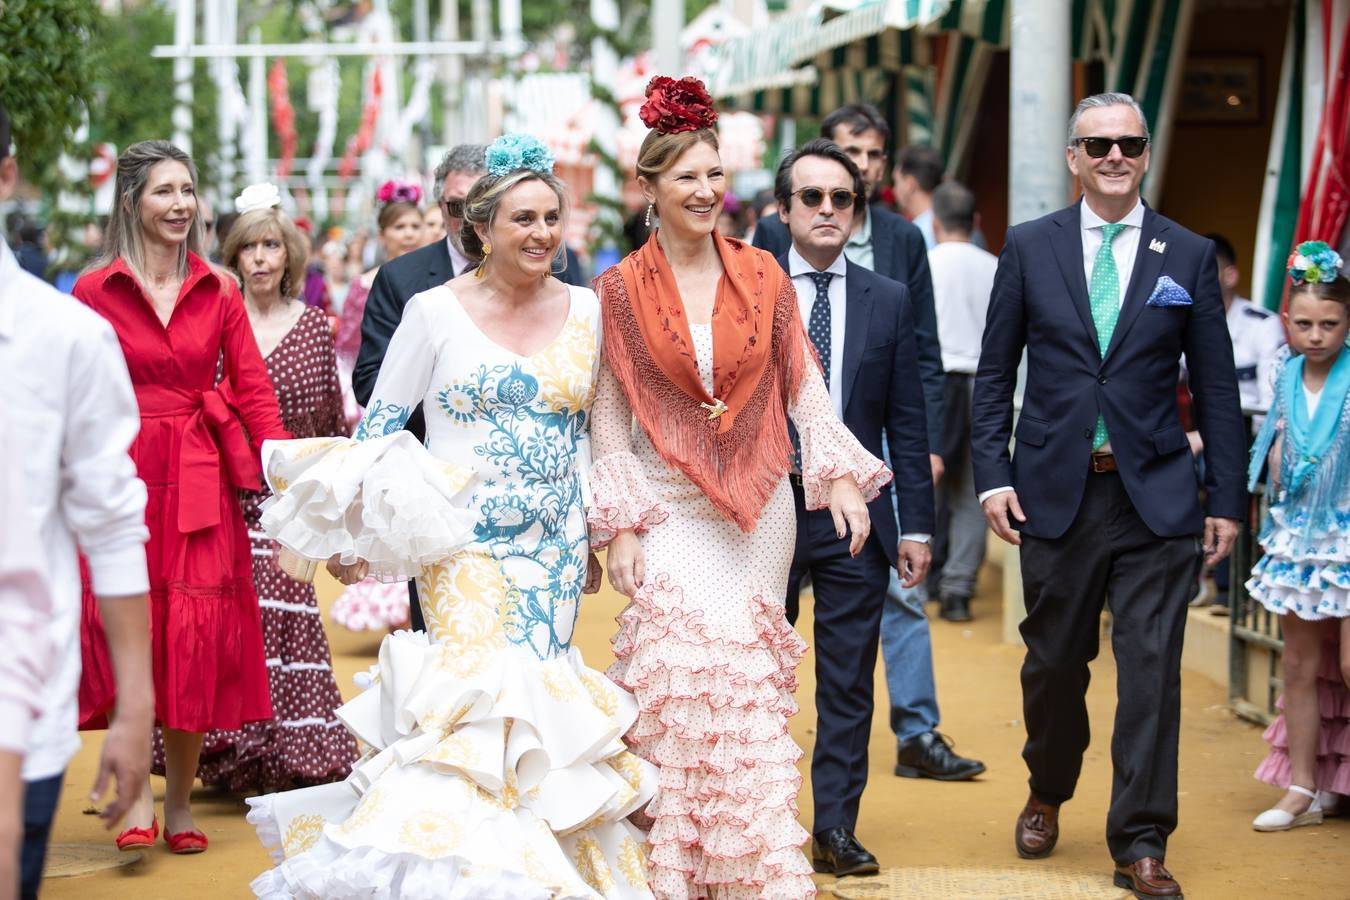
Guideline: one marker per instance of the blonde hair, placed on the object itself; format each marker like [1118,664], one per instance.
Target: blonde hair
[124,238]
[485,197]
[257,224]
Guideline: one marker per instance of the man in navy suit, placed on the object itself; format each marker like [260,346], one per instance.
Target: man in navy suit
[1102,497]
[889,245]
[863,331]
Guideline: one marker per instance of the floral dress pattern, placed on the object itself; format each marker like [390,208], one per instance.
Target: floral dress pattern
[496,766]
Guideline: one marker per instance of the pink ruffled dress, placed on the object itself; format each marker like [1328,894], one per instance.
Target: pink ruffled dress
[1333,742]
[705,648]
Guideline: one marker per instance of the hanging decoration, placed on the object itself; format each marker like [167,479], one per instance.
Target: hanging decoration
[283,116]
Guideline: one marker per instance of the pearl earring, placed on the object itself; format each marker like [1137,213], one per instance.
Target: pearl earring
[649,214]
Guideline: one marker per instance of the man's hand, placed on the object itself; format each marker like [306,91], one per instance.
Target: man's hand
[1220,534]
[999,511]
[912,560]
[939,467]
[125,759]
[593,574]
[850,514]
[357,571]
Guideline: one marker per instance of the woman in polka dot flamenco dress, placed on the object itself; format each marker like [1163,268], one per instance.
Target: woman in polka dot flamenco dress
[704,346]
[1304,576]
[496,767]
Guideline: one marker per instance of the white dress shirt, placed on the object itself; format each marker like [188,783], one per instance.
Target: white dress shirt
[799,270]
[458,261]
[963,277]
[69,405]
[1124,248]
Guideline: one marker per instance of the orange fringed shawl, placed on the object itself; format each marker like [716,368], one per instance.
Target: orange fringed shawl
[737,458]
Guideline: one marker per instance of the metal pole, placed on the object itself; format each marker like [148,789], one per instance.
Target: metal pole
[604,71]
[667,23]
[255,150]
[1039,107]
[184,29]
[452,76]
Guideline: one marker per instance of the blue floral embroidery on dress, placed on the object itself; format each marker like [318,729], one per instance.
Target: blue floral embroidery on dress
[382,419]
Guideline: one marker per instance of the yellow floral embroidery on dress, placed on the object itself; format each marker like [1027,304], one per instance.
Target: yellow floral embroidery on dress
[627,765]
[565,369]
[431,834]
[302,833]
[462,602]
[600,692]
[455,750]
[558,685]
[593,867]
[370,806]
[632,862]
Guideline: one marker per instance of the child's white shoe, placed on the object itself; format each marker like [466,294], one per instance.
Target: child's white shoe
[1332,804]
[1275,819]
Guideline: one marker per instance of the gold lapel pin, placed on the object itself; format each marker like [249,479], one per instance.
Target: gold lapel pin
[715,408]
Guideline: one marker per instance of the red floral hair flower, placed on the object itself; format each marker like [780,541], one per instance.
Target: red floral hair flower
[675,106]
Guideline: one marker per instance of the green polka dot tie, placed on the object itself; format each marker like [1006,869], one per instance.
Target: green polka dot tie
[1104,298]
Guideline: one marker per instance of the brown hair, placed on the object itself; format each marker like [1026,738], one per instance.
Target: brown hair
[1337,291]
[660,151]
[392,212]
[257,224]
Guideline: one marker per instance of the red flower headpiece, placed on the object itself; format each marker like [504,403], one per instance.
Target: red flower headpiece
[675,106]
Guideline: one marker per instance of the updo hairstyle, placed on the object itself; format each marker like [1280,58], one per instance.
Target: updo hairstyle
[485,197]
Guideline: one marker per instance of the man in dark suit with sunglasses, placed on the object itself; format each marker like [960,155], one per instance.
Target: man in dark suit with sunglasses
[1102,497]
[863,331]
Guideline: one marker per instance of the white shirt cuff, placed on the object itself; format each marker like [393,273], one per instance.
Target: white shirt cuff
[985,495]
[917,538]
[119,571]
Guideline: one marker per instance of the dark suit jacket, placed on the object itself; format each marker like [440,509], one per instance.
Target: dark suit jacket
[395,284]
[1040,303]
[882,392]
[899,253]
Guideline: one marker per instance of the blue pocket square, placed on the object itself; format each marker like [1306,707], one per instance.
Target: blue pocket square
[1168,293]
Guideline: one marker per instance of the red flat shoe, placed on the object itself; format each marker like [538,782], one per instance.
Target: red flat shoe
[136,838]
[185,842]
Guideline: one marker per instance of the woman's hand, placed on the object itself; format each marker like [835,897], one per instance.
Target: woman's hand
[351,574]
[850,513]
[626,564]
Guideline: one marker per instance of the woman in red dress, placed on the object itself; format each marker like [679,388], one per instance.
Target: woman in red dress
[177,318]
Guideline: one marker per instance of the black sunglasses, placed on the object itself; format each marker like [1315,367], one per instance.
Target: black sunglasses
[454,207]
[814,196]
[1098,147]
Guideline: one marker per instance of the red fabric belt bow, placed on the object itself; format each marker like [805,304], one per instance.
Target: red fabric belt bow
[212,438]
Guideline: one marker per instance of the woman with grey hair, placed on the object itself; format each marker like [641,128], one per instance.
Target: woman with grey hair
[178,319]
[496,765]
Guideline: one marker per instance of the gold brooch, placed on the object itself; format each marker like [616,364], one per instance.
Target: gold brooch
[715,408]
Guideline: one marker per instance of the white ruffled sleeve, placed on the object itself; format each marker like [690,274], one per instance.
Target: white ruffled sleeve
[380,496]
[621,495]
[829,449]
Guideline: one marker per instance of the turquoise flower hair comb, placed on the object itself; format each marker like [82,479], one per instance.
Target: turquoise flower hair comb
[518,151]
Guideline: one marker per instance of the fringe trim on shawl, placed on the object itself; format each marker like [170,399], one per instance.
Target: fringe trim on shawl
[737,470]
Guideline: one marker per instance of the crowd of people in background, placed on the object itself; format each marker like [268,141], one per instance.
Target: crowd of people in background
[806,387]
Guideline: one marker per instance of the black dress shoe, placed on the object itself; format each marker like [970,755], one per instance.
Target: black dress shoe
[930,756]
[955,609]
[837,852]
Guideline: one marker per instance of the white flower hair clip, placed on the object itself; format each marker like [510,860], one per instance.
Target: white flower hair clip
[257,196]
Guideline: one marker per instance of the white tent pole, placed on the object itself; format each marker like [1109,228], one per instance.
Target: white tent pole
[184,29]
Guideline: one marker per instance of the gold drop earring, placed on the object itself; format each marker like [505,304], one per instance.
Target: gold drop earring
[481,272]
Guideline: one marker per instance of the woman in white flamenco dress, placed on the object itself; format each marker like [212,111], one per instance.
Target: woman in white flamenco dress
[495,764]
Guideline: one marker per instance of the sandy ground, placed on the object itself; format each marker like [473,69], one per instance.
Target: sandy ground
[960,828]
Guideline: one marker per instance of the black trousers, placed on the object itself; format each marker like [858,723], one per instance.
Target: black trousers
[416,622]
[849,593]
[1108,555]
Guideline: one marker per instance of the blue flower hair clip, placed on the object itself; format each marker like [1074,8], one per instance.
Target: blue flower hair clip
[1313,262]
[518,151]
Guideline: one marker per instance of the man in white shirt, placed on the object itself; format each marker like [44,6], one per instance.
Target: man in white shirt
[1257,333]
[963,276]
[918,172]
[69,404]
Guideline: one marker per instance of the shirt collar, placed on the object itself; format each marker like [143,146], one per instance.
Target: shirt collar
[797,264]
[198,270]
[458,260]
[1089,219]
[864,234]
[10,277]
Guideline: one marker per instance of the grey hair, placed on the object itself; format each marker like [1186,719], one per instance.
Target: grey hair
[485,198]
[1097,101]
[470,159]
[124,238]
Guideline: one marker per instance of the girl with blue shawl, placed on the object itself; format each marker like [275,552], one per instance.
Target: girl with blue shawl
[1304,576]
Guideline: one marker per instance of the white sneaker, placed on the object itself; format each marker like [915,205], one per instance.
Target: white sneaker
[1275,819]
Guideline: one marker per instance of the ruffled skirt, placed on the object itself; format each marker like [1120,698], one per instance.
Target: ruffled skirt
[1307,575]
[1333,740]
[490,775]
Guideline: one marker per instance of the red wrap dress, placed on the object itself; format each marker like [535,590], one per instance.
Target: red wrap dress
[198,442]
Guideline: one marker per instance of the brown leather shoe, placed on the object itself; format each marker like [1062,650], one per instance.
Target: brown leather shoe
[1147,878]
[1037,829]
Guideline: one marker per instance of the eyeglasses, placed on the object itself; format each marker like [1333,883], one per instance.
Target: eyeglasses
[454,207]
[1098,147]
[814,196]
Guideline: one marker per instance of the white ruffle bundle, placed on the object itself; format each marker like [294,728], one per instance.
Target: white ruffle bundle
[386,500]
[490,775]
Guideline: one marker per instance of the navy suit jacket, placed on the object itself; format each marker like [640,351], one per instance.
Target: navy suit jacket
[882,392]
[900,254]
[1040,303]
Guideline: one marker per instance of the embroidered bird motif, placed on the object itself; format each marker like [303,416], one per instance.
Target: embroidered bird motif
[715,409]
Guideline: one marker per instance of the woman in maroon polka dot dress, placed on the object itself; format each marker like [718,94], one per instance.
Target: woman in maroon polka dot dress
[304,743]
